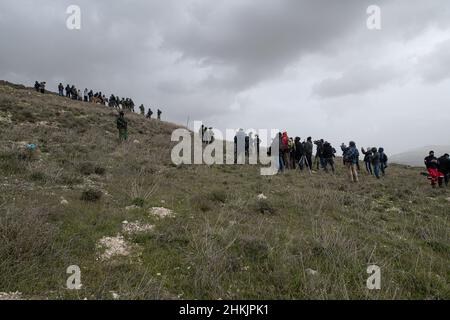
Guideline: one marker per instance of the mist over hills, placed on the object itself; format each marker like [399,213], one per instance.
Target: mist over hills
[416,156]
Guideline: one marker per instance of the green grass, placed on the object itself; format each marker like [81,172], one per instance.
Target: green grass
[224,243]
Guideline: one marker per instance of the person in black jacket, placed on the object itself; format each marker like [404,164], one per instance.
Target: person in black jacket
[383,161]
[68,91]
[299,152]
[122,125]
[308,148]
[61,90]
[318,160]
[368,160]
[376,162]
[328,154]
[444,167]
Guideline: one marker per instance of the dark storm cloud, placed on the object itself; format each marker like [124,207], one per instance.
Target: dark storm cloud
[250,41]
[224,61]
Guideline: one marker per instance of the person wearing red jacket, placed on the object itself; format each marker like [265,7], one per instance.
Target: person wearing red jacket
[432,164]
[285,150]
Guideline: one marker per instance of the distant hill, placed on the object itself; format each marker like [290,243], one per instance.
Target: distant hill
[415,157]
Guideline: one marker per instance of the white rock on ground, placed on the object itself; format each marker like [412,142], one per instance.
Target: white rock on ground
[448,199]
[115,295]
[162,213]
[311,272]
[114,246]
[64,202]
[136,227]
[262,197]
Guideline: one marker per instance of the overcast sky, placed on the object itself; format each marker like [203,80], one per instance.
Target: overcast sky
[311,67]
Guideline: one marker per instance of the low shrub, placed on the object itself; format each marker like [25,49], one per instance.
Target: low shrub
[91,195]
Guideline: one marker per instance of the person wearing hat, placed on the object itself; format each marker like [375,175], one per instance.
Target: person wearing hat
[351,156]
[122,125]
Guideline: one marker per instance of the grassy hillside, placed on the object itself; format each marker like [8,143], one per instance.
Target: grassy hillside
[312,238]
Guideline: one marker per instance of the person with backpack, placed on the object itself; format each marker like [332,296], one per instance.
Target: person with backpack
[37,86]
[376,163]
[432,164]
[350,157]
[444,167]
[142,109]
[285,150]
[299,153]
[308,148]
[122,126]
[368,160]
[383,161]
[328,154]
[74,93]
[159,115]
[318,160]
[61,90]
[68,91]
[42,87]
[150,113]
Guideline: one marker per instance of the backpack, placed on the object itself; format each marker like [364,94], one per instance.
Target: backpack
[351,154]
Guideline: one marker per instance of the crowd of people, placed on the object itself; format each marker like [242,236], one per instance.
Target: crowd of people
[114,101]
[293,153]
[245,145]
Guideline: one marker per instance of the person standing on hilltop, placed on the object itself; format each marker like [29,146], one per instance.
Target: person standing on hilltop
[37,86]
[122,125]
[351,158]
[159,114]
[61,90]
[86,95]
[42,86]
[432,164]
[149,113]
[68,91]
[142,109]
